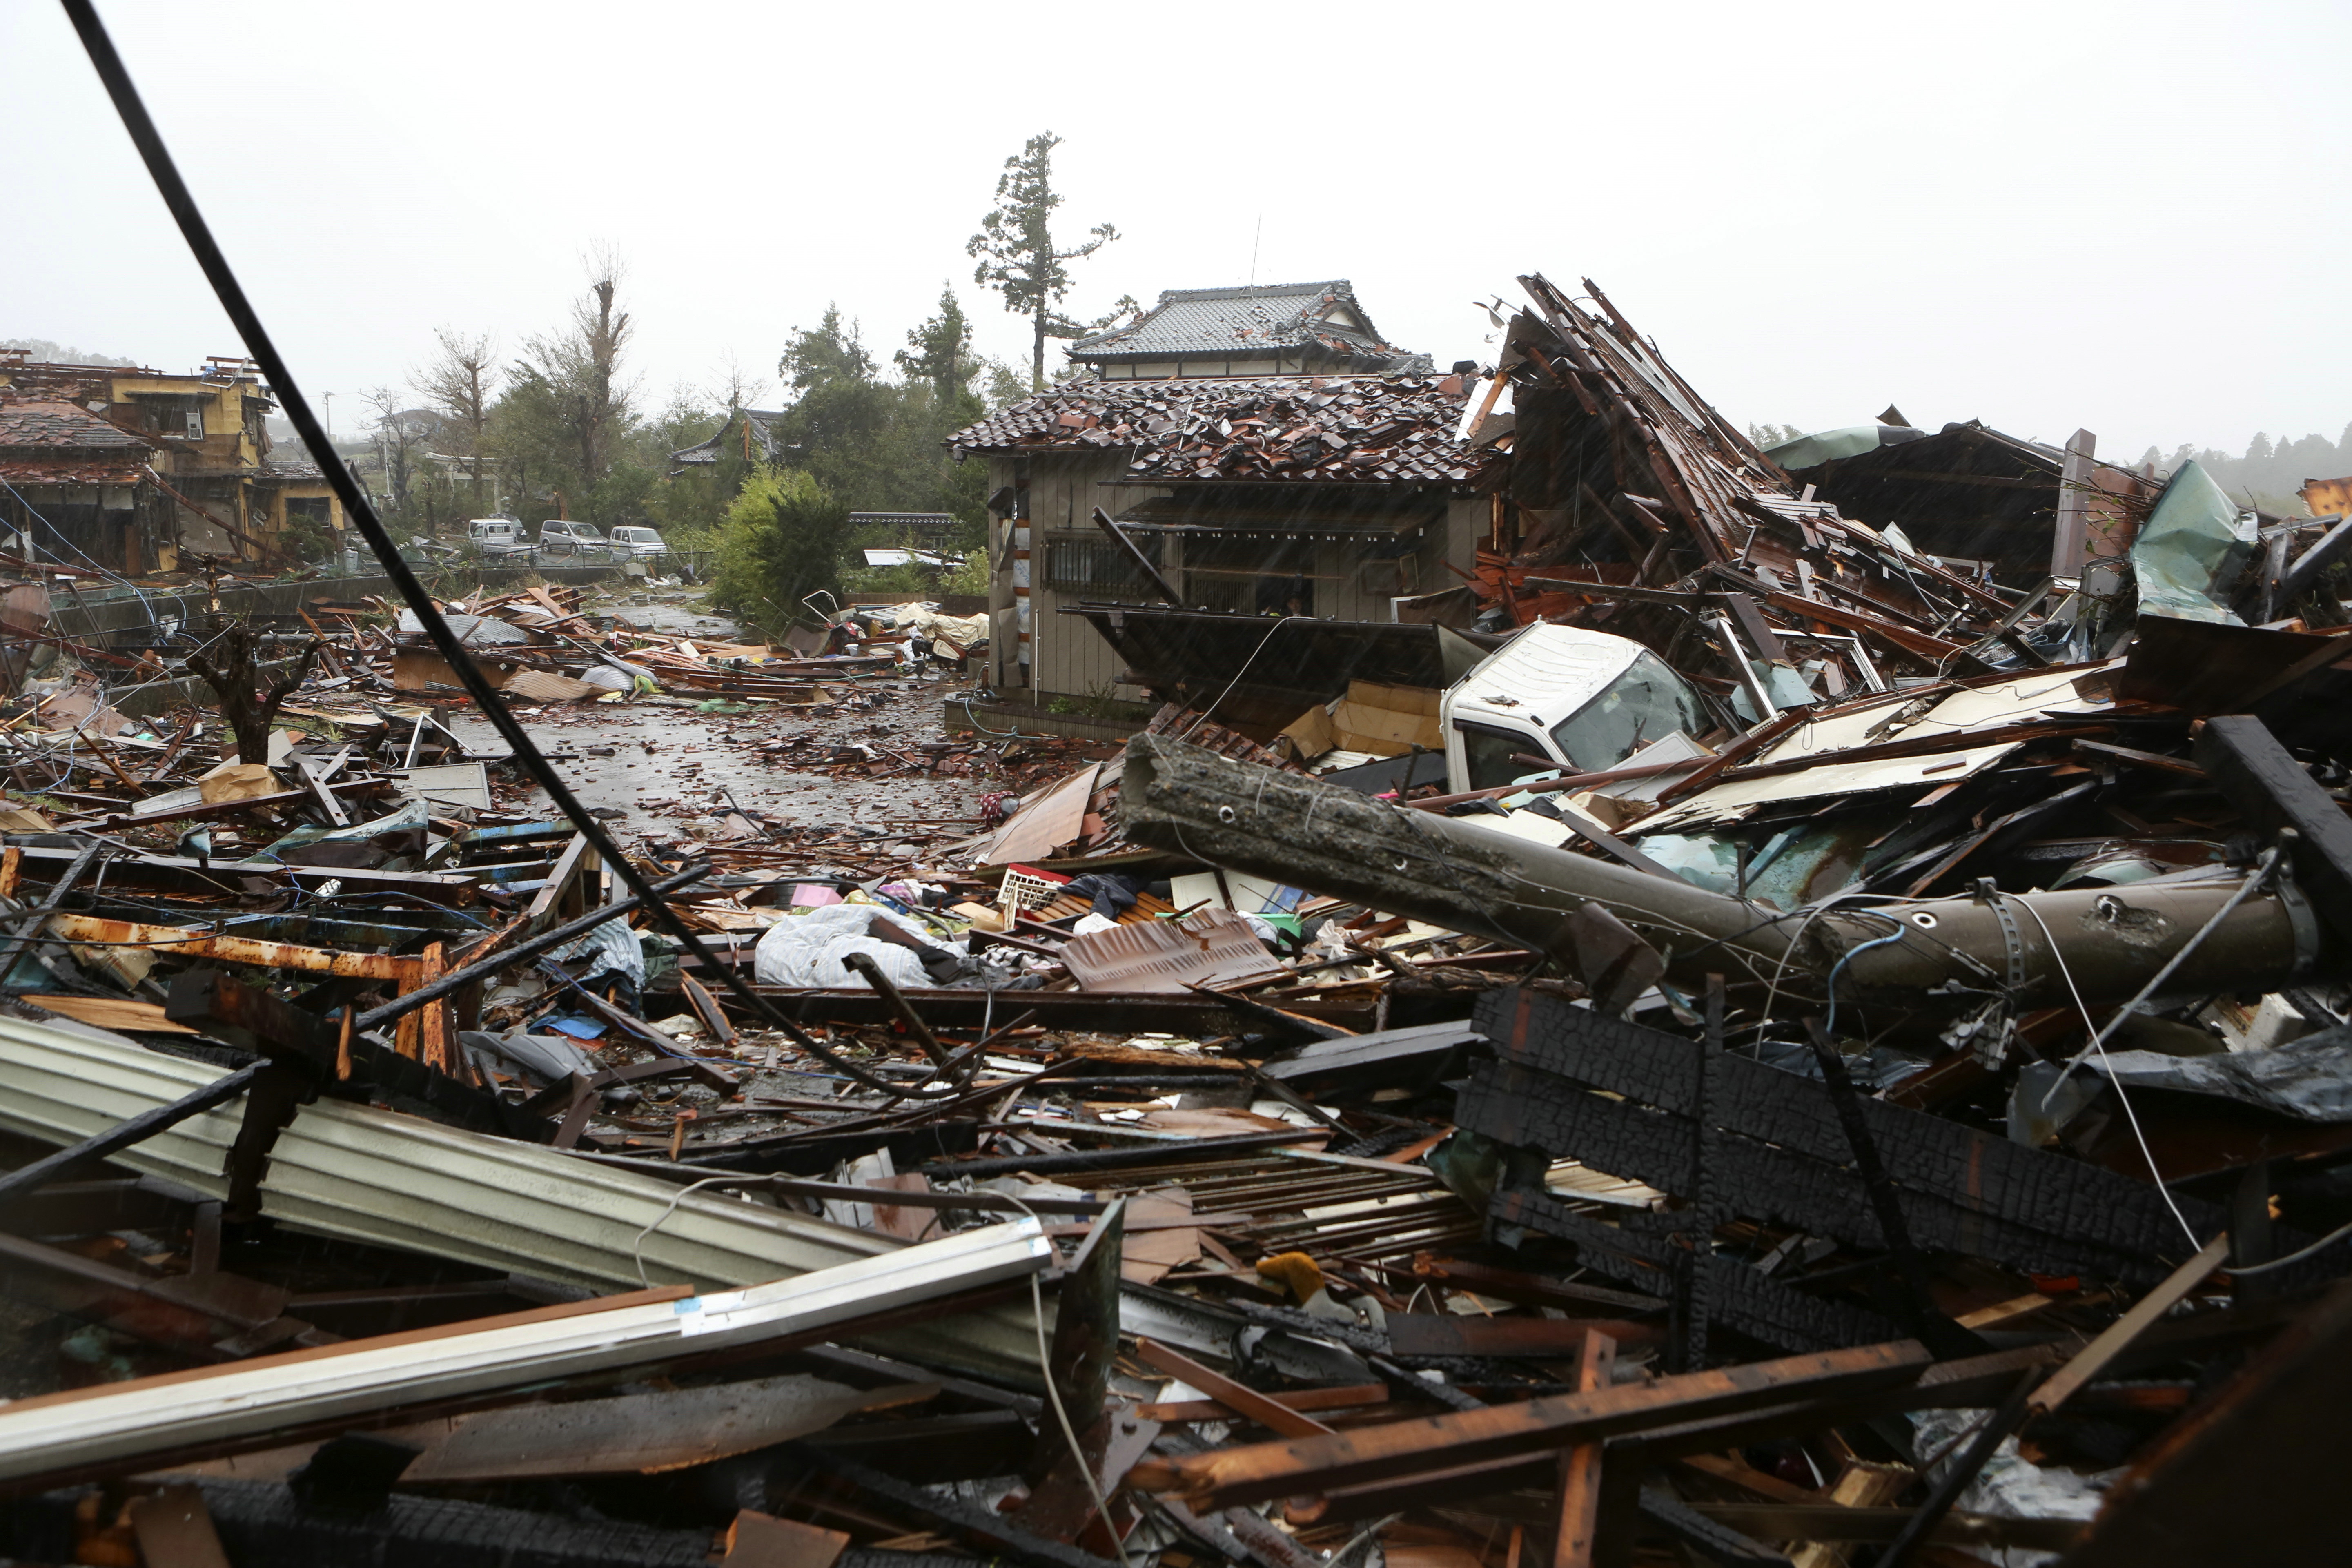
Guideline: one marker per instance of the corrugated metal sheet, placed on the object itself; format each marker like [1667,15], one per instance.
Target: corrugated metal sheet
[378,1176]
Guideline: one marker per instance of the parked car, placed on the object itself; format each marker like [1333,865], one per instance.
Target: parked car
[567,536]
[633,541]
[496,535]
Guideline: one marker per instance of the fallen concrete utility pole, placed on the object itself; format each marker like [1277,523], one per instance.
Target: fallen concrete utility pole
[74,1432]
[1333,840]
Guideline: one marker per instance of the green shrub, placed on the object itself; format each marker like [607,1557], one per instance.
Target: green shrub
[783,540]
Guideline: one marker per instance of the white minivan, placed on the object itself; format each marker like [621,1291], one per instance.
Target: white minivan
[1585,700]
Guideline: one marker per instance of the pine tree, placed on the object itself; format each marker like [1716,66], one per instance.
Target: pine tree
[832,352]
[939,351]
[1015,245]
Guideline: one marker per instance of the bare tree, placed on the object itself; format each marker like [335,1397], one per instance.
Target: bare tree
[398,433]
[460,385]
[230,663]
[733,387]
[582,367]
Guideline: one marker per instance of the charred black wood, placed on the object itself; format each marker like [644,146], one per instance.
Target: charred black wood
[1909,1301]
[2263,780]
[1739,1300]
[1531,1110]
[1977,1173]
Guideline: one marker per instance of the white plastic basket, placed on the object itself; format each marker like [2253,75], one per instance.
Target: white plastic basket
[1024,890]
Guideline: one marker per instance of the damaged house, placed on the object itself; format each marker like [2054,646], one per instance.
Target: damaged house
[749,433]
[1262,452]
[1975,497]
[76,489]
[216,489]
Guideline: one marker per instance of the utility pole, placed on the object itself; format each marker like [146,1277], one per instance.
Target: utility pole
[329,399]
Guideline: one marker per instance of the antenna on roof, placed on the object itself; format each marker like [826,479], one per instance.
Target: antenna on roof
[1254,239]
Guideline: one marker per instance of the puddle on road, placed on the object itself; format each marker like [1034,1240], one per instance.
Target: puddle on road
[669,766]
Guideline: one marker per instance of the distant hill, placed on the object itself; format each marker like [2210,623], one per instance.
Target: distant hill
[47,352]
[2267,473]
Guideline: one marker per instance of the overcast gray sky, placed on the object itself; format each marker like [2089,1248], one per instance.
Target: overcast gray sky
[2132,218]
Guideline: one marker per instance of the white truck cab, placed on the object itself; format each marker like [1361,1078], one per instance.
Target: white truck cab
[1585,700]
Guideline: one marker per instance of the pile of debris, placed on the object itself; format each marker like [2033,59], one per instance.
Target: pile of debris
[1776,1047]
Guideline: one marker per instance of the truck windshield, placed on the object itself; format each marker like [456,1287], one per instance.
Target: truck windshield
[1646,703]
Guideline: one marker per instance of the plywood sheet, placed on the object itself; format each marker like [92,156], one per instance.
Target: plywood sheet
[112,1013]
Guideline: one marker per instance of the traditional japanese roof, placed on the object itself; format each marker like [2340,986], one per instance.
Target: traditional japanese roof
[1315,320]
[764,446]
[1396,429]
[53,424]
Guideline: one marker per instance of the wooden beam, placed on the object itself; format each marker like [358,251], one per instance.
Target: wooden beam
[1169,1412]
[1143,563]
[2119,1334]
[1580,1467]
[1260,1472]
[1932,648]
[1243,1400]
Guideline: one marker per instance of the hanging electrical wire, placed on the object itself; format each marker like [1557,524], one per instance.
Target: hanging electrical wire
[217,272]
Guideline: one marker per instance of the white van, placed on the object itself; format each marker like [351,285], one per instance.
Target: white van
[495,536]
[1585,700]
[634,541]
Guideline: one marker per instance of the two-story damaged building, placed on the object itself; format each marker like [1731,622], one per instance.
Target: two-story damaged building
[1262,448]
[129,469]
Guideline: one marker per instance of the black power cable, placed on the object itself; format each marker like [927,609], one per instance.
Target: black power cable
[83,15]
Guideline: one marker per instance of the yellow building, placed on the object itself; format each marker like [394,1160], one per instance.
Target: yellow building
[211,487]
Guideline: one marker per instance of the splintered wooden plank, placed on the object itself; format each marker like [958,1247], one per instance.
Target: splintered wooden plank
[1980,1173]
[1516,1105]
[1739,1298]
[1264,1470]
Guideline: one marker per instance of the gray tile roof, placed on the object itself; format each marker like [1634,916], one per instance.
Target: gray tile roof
[1393,429]
[763,421]
[52,425]
[1268,319]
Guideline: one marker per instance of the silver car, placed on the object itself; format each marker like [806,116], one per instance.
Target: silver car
[631,541]
[569,536]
